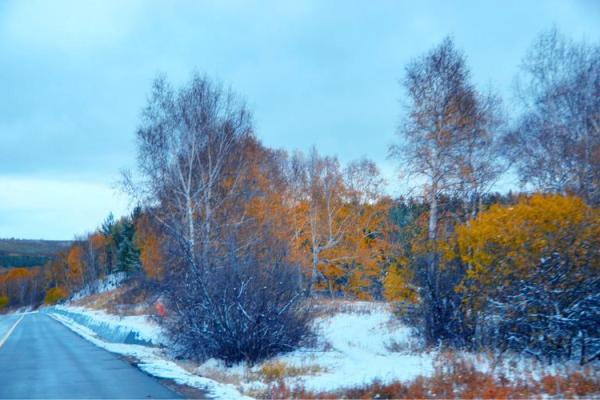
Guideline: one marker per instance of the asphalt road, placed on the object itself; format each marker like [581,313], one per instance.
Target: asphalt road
[6,322]
[44,359]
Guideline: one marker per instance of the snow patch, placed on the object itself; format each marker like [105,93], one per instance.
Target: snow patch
[357,351]
[113,328]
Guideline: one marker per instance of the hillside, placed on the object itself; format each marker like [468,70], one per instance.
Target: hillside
[29,253]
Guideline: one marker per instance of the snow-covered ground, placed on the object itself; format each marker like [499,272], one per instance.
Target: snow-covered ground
[355,345]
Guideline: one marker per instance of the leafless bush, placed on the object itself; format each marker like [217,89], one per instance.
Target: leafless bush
[242,308]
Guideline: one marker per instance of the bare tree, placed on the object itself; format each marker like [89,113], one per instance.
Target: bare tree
[445,145]
[187,148]
[555,144]
[229,289]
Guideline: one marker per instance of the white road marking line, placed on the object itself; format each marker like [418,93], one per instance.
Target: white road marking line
[10,331]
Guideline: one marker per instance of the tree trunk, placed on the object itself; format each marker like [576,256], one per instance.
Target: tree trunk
[314,273]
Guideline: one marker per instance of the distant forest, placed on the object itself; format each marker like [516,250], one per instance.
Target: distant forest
[29,253]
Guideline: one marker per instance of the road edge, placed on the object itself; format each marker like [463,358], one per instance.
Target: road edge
[10,331]
[185,391]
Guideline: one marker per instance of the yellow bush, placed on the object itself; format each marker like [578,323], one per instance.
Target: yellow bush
[4,300]
[397,285]
[56,295]
[506,243]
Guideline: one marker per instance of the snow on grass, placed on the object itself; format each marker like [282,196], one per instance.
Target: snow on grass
[357,351]
[152,360]
[355,345]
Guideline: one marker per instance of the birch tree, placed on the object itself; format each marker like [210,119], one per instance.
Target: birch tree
[443,136]
[555,143]
[187,160]
[335,209]
[229,290]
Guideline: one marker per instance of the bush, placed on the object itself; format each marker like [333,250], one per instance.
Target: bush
[241,309]
[56,295]
[4,301]
[533,283]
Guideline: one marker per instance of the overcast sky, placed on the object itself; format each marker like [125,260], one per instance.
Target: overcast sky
[75,74]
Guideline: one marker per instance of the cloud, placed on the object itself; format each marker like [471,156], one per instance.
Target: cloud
[54,209]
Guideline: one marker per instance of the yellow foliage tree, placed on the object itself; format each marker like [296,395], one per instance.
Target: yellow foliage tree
[76,266]
[55,295]
[150,245]
[340,221]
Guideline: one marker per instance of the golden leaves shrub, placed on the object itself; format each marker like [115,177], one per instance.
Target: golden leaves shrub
[55,295]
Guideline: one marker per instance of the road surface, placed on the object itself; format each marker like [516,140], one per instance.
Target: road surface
[6,322]
[43,359]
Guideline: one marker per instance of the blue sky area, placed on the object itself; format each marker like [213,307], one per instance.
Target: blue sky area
[75,74]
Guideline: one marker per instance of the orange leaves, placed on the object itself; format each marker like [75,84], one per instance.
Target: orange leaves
[56,295]
[75,264]
[397,285]
[16,285]
[510,241]
[14,276]
[98,240]
[149,242]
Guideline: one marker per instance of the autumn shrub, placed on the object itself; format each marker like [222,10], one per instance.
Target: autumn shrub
[55,295]
[533,282]
[4,301]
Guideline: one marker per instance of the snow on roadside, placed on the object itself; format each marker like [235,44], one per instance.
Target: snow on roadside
[135,329]
[355,346]
[152,360]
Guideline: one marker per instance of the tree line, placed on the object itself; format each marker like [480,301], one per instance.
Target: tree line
[240,239]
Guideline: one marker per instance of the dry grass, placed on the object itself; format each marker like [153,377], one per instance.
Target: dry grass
[458,378]
[277,370]
[128,299]
[331,307]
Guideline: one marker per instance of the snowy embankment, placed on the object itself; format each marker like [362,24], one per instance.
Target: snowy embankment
[109,283]
[114,329]
[137,337]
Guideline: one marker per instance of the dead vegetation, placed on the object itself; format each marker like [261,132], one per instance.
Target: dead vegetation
[459,378]
[131,298]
